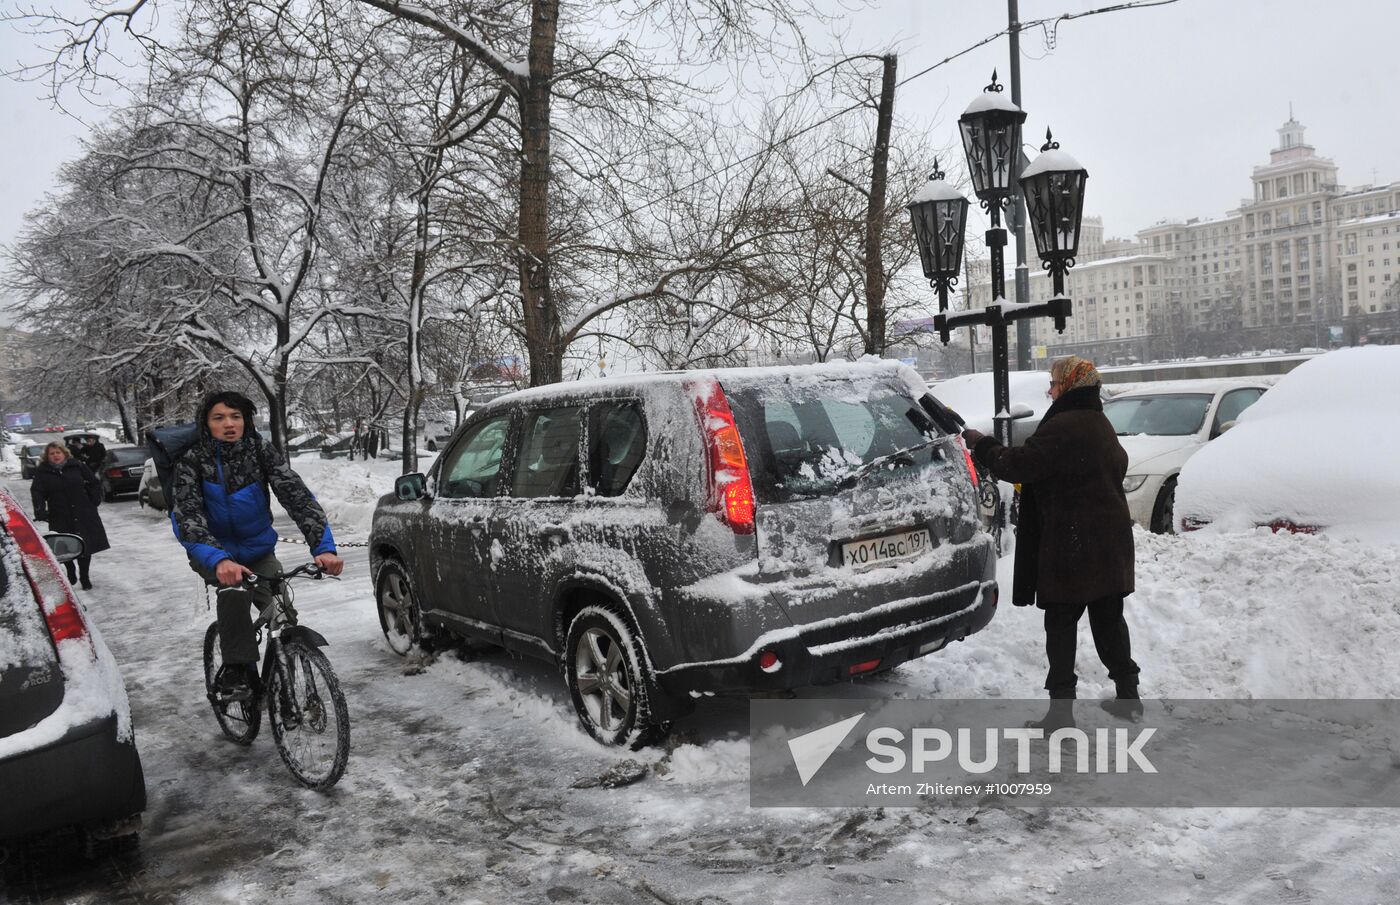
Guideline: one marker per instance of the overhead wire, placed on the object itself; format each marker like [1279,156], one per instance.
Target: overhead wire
[1034,23]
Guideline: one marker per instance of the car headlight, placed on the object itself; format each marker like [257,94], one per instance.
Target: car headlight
[1133,482]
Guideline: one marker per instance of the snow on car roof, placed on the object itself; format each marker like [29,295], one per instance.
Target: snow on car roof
[1203,385]
[871,368]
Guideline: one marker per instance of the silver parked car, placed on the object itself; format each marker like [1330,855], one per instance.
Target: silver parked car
[665,536]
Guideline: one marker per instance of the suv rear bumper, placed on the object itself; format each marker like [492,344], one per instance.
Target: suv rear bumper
[87,776]
[823,653]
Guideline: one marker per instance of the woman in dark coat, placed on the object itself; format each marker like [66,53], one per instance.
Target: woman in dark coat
[66,494]
[1074,538]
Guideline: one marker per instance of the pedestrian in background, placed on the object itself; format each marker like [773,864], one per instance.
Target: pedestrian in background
[1074,537]
[92,454]
[66,494]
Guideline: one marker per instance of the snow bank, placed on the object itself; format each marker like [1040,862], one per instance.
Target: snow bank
[1252,615]
[9,462]
[1318,449]
[348,490]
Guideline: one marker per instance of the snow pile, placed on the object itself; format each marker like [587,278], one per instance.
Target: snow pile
[1252,615]
[1318,450]
[9,461]
[348,490]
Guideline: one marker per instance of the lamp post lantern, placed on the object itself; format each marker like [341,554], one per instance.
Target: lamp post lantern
[991,137]
[1053,186]
[939,215]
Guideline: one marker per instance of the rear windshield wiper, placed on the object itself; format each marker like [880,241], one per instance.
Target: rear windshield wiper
[851,479]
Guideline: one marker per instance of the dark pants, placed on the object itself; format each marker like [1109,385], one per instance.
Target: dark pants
[81,573]
[234,607]
[1110,631]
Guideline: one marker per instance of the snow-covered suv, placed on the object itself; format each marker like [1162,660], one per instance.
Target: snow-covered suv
[67,752]
[664,536]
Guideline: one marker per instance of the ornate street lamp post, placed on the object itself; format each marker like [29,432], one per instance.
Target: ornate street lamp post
[939,214]
[1053,186]
[1054,189]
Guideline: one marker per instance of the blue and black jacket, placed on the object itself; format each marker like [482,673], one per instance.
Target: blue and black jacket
[222,508]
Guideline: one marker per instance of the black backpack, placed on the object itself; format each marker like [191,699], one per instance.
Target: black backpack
[166,445]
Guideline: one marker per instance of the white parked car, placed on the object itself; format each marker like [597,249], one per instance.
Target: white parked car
[1161,426]
[1316,454]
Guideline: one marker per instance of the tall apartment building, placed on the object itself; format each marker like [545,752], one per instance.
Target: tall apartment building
[1303,252]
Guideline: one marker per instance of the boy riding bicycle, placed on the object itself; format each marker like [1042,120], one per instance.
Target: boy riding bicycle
[222,515]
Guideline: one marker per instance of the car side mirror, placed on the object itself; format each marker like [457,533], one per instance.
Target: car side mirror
[411,487]
[1224,427]
[1021,410]
[65,547]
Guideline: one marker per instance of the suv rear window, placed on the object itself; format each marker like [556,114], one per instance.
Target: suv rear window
[805,439]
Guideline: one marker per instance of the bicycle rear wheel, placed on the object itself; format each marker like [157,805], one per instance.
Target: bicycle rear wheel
[238,719]
[310,722]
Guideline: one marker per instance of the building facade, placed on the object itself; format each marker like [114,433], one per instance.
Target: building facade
[1297,259]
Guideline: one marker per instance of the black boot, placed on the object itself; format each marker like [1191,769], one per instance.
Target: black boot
[83,575]
[1060,715]
[1126,706]
[72,572]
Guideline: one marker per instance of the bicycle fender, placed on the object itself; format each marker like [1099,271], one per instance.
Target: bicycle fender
[306,636]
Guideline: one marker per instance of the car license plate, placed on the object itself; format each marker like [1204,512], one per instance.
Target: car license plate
[890,548]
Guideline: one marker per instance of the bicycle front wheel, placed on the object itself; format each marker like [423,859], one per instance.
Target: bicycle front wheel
[310,722]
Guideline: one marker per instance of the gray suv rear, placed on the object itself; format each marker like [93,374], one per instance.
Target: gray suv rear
[667,536]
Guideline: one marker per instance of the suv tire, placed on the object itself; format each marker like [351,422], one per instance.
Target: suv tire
[400,616]
[607,675]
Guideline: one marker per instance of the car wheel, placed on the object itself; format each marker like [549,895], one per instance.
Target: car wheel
[607,676]
[1163,514]
[400,617]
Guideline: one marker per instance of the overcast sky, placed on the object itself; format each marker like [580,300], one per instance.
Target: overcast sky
[1168,107]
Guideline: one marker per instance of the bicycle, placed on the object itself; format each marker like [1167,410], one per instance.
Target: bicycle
[310,722]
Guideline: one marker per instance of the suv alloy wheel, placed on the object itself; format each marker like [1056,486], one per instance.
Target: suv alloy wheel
[606,673]
[400,618]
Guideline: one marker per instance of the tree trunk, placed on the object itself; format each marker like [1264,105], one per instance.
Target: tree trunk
[541,317]
[875,216]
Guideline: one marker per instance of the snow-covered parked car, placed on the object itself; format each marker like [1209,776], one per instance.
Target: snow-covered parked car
[1161,426]
[150,493]
[973,397]
[67,750]
[666,536]
[1317,453]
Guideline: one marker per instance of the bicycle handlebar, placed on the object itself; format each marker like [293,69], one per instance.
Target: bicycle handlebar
[308,570]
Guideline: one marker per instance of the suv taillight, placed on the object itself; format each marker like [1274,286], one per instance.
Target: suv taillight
[731,490]
[41,569]
[967,460]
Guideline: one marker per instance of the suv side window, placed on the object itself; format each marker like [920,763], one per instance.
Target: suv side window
[549,452]
[617,443]
[473,467]
[1234,403]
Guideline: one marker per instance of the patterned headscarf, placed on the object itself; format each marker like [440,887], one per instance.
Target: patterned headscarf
[1073,372]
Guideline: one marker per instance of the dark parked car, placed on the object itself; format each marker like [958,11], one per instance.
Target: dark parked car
[67,750]
[667,536]
[121,470]
[30,454]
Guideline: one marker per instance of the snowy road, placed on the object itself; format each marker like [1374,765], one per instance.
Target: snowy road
[459,787]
